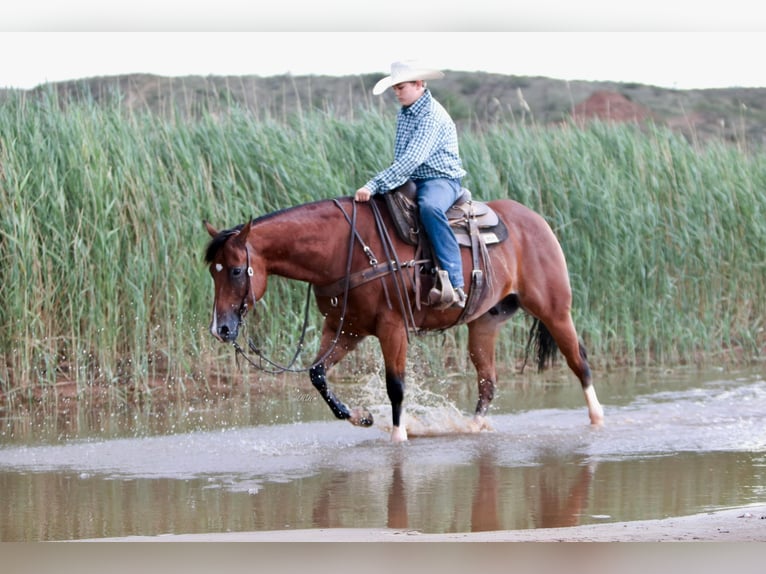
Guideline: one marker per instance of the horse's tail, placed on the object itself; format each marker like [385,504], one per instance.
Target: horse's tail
[545,345]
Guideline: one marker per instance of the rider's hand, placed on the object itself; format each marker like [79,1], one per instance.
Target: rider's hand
[362,194]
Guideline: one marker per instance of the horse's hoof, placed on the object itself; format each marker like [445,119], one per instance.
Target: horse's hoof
[360,417]
[399,434]
[596,417]
[597,422]
[479,424]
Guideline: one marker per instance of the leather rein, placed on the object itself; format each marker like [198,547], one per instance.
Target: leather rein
[343,286]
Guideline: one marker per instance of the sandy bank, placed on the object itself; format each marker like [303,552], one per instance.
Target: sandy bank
[746,524]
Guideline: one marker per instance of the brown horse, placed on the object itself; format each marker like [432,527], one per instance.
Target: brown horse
[327,242]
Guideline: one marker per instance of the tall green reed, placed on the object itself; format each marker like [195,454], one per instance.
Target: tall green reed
[664,239]
[101,235]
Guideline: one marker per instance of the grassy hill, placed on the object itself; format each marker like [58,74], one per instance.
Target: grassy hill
[474,99]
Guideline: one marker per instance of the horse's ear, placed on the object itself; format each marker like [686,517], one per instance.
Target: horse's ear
[210,229]
[246,229]
[241,237]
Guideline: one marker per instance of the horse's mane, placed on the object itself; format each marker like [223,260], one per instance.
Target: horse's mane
[278,212]
[218,241]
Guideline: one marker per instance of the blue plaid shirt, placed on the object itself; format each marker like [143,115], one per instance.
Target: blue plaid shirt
[425,146]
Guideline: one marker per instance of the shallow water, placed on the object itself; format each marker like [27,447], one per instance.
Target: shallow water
[674,443]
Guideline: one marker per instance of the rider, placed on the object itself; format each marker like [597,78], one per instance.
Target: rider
[425,151]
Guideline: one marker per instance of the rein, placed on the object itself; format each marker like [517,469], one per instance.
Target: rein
[405,306]
[377,270]
[238,351]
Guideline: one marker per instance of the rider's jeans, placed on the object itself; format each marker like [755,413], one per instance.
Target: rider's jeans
[435,197]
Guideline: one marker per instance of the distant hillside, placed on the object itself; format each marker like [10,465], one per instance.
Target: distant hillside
[474,99]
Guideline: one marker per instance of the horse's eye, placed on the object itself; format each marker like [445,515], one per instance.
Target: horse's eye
[236,271]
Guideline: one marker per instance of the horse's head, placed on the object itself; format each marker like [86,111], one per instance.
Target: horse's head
[239,279]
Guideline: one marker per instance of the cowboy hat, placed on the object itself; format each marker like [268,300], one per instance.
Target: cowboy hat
[407,71]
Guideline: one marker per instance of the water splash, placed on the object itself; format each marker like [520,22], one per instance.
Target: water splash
[426,413]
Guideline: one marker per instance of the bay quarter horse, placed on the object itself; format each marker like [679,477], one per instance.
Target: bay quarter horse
[365,281]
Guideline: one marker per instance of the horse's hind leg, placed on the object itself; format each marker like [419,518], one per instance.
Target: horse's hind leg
[482,335]
[563,331]
[482,338]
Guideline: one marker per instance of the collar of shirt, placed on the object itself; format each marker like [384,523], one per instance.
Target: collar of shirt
[418,105]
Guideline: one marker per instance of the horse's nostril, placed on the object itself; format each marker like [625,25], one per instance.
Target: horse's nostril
[227,332]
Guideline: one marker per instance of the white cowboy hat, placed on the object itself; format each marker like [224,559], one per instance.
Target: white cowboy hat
[407,71]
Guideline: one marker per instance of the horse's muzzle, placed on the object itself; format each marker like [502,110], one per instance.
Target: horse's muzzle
[224,334]
[225,329]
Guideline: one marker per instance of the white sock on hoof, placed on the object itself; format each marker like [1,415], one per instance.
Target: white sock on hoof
[399,434]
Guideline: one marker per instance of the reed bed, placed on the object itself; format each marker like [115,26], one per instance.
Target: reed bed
[665,240]
[101,236]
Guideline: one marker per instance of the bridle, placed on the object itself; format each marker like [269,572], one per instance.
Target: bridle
[278,368]
[249,293]
[274,367]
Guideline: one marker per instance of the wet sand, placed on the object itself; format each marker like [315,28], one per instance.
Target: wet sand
[745,524]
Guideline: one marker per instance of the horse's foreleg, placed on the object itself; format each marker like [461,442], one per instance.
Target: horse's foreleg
[358,417]
[393,343]
[395,389]
[318,374]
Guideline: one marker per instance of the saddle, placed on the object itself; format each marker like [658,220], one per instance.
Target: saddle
[475,225]
[464,215]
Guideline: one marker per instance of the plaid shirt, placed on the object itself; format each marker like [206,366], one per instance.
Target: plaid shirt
[425,146]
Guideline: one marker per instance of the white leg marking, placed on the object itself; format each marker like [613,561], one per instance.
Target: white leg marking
[595,410]
[399,434]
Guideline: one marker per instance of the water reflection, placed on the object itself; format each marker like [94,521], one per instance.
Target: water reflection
[397,497]
[563,500]
[670,451]
[553,494]
[454,498]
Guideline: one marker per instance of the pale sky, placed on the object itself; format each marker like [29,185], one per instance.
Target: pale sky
[42,44]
